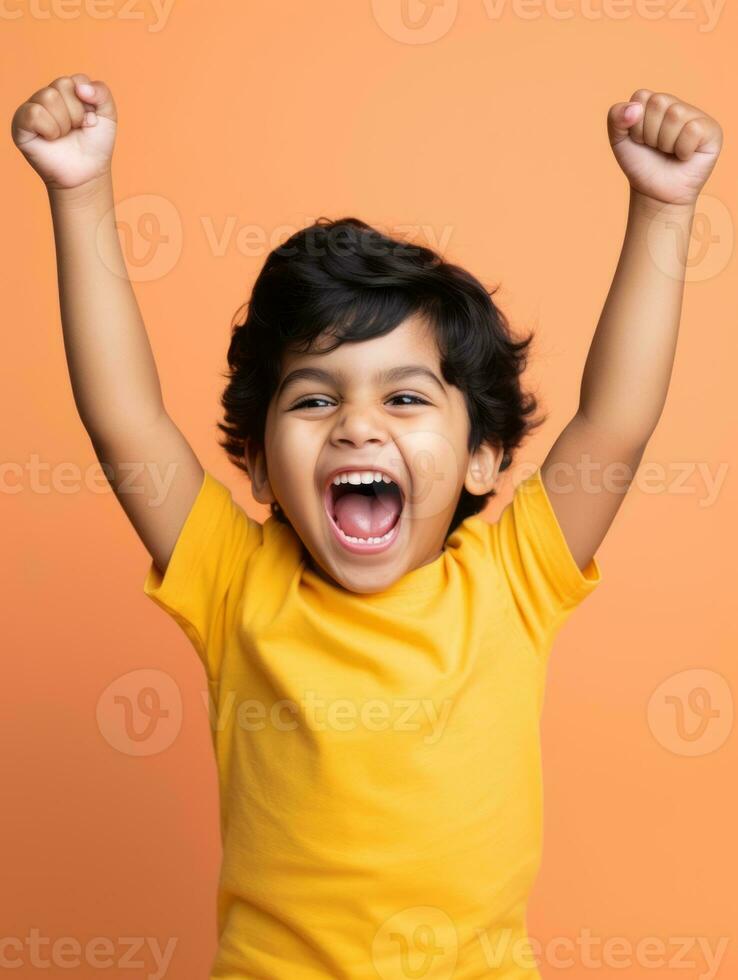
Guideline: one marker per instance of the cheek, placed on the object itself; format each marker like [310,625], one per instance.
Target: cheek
[291,460]
[437,468]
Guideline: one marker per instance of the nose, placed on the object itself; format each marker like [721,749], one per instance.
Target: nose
[357,426]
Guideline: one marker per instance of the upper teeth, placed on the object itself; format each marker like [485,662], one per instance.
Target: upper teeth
[361,476]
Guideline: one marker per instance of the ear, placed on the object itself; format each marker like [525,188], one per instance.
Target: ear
[484,467]
[255,460]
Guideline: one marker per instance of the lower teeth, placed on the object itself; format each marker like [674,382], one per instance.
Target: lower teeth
[385,537]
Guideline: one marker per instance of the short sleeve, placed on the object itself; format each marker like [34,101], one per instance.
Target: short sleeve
[215,541]
[538,569]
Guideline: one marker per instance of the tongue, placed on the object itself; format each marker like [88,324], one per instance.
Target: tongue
[366,517]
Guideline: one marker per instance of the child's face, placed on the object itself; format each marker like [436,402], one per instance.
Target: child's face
[350,418]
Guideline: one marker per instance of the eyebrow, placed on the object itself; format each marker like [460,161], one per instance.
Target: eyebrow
[391,374]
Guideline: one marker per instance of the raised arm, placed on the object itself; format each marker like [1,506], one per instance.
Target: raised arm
[67,133]
[667,149]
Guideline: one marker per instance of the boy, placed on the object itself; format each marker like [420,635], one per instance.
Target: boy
[375,651]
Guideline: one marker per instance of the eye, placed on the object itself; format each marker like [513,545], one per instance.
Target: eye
[413,399]
[307,403]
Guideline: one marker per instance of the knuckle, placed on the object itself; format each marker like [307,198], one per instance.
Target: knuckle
[675,112]
[640,95]
[660,100]
[48,96]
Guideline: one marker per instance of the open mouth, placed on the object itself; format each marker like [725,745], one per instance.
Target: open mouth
[365,509]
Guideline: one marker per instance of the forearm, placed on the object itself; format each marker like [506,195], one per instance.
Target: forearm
[628,368]
[111,364]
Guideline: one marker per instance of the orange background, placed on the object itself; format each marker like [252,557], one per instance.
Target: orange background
[489,138]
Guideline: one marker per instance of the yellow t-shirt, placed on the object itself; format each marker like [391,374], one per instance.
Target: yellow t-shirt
[378,755]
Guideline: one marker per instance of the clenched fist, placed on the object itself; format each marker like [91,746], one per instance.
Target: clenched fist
[66,131]
[666,148]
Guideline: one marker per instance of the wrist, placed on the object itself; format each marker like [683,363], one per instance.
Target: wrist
[653,208]
[90,192]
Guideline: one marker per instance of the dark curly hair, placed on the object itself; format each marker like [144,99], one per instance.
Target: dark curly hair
[345,280]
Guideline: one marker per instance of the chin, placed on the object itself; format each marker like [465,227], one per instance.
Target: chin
[366,583]
[355,576]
